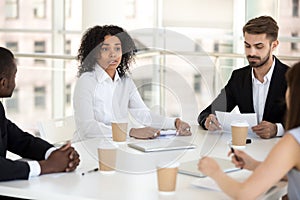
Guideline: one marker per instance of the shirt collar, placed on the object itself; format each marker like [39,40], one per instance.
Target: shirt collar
[101,74]
[268,76]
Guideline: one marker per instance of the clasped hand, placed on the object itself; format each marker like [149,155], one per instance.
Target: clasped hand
[64,159]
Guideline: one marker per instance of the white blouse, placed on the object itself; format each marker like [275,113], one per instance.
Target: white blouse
[99,100]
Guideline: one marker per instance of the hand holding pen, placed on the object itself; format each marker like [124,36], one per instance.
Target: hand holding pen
[237,159]
[243,160]
[212,124]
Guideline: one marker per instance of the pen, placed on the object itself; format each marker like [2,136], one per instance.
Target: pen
[212,122]
[90,171]
[236,157]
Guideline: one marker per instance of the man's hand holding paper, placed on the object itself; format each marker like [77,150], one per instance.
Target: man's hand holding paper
[265,129]
[212,124]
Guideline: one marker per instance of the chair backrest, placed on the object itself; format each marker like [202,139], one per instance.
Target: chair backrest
[57,130]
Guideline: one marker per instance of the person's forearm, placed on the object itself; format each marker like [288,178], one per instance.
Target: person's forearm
[253,166]
[227,184]
[202,117]
[45,168]
[233,188]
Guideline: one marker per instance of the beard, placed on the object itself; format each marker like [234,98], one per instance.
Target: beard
[261,61]
[258,64]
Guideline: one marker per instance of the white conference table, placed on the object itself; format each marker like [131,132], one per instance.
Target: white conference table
[135,177]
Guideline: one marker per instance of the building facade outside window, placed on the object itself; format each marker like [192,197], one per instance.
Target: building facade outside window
[68,47]
[68,94]
[197,83]
[40,97]
[295,8]
[39,47]
[39,8]
[12,45]
[68,7]
[12,104]
[11,9]
[294,45]
[130,9]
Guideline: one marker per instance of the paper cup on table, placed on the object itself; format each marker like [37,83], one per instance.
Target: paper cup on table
[239,132]
[166,178]
[107,155]
[119,131]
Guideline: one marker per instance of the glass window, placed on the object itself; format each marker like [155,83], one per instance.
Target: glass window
[39,10]
[294,45]
[130,9]
[68,47]
[68,94]
[198,46]
[12,104]
[39,47]
[197,83]
[40,96]
[295,8]
[145,89]
[216,47]
[13,46]
[68,7]
[11,9]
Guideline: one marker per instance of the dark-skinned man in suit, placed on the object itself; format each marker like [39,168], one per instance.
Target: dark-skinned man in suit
[44,157]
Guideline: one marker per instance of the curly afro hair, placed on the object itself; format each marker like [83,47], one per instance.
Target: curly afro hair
[91,43]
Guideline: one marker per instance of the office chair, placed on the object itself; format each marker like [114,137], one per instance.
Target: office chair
[57,131]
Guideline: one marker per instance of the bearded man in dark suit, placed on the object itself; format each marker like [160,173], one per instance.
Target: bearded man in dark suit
[259,87]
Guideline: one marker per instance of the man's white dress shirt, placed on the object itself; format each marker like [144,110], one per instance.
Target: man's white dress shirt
[34,166]
[260,92]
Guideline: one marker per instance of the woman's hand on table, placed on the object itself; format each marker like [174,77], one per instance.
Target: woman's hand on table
[144,133]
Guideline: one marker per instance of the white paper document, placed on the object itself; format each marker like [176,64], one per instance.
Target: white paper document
[207,183]
[225,119]
[168,133]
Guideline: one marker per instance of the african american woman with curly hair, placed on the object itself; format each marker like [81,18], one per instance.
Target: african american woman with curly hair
[105,92]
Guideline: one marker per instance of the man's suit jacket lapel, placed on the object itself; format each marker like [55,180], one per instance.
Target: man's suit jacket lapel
[248,100]
[3,136]
[273,90]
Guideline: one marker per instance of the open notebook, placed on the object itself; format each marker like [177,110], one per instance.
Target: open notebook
[191,167]
[161,145]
